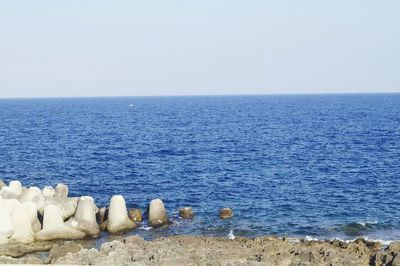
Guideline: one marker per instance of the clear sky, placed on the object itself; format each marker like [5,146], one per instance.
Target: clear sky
[116,48]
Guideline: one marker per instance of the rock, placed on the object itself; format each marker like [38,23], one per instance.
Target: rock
[22,224]
[15,249]
[102,218]
[61,191]
[102,215]
[84,218]
[135,215]
[186,212]
[6,224]
[225,213]
[54,228]
[394,246]
[118,220]
[396,260]
[58,251]
[103,226]
[23,260]
[157,214]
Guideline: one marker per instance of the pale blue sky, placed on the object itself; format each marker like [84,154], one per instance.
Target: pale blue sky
[115,48]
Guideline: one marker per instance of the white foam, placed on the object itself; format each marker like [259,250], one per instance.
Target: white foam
[147,228]
[364,223]
[309,238]
[231,236]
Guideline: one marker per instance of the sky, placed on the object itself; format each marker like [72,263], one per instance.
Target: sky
[139,48]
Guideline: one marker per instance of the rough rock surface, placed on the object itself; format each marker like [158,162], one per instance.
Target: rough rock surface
[190,250]
[15,249]
[24,260]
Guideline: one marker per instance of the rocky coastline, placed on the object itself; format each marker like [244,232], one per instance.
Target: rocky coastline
[46,226]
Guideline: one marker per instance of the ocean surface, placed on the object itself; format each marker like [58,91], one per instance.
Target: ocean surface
[321,166]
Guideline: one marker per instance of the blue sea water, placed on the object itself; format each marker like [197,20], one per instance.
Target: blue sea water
[298,165]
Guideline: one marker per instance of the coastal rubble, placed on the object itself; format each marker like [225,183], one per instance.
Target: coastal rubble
[34,220]
[192,250]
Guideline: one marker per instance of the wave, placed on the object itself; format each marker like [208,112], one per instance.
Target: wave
[357,228]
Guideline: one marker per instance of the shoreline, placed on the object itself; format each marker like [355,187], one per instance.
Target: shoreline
[200,250]
[47,226]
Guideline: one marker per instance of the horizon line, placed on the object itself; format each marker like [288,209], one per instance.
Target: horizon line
[200,95]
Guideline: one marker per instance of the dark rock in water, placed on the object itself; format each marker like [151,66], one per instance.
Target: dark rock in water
[186,212]
[101,215]
[135,215]
[225,213]
[58,251]
[353,229]
[103,226]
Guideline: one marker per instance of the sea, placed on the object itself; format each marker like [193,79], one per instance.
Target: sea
[311,166]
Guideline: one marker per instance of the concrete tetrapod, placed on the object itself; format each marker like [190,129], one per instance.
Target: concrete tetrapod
[84,218]
[22,224]
[12,191]
[118,220]
[157,214]
[54,227]
[33,194]
[6,224]
[33,216]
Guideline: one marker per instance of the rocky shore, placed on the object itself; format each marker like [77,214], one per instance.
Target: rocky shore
[46,226]
[196,250]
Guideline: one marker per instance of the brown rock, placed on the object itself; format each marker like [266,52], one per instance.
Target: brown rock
[225,213]
[57,251]
[23,260]
[15,249]
[135,215]
[102,215]
[103,226]
[186,212]
[394,246]
[396,260]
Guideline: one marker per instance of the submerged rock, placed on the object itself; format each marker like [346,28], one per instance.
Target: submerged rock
[118,220]
[157,214]
[135,215]
[186,212]
[225,213]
